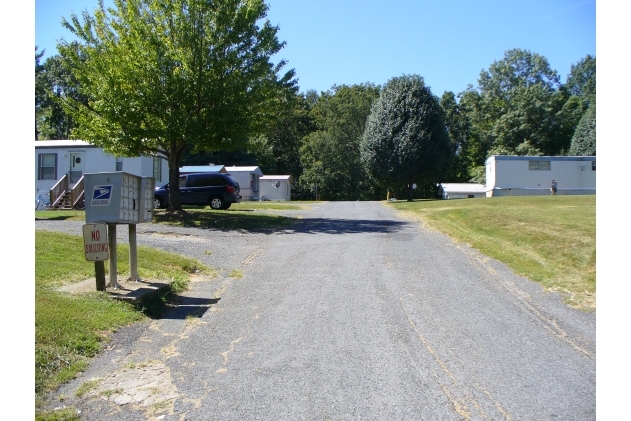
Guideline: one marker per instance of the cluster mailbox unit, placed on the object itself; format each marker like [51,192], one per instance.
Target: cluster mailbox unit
[119,198]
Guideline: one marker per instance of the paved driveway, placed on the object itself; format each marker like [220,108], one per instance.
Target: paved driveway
[351,313]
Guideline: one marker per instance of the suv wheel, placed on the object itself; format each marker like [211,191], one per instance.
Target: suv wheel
[217,203]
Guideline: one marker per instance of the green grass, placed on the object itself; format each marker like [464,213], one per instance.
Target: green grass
[246,216]
[70,329]
[551,240]
[65,215]
[271,205]
[229,220]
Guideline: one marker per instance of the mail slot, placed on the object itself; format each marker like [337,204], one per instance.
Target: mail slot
[118,198]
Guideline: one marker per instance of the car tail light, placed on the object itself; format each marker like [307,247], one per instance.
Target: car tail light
[230,189]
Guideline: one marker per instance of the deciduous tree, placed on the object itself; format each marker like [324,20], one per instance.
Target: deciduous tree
[405,141]
[330,155]
[163,76]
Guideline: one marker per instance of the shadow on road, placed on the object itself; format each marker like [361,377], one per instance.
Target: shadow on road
[189,307]
[343,226]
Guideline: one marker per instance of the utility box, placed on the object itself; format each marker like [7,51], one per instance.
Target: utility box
[118,198]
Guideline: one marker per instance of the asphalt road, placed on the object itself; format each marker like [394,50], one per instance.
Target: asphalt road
[352,313]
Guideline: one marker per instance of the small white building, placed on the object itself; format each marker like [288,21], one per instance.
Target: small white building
[248,179]
[60,165]
[462,190]
[533,175]
[275,187]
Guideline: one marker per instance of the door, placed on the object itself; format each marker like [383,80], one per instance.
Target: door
[76,166]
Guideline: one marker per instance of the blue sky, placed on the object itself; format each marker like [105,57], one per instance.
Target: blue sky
[447,42]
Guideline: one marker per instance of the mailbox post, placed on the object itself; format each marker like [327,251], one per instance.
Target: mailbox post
[119,198]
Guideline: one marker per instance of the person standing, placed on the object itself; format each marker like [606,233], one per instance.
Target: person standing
[553,188]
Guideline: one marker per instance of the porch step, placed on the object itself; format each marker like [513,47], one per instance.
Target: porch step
[65,203]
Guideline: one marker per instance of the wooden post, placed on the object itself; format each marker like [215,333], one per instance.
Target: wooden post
[99,270]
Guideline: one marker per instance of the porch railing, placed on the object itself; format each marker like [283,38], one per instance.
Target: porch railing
[77,192]
[58,190]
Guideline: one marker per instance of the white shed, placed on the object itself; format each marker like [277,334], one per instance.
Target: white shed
[533,175]
[248,179]
[462,190]
[60,164]
[269,191]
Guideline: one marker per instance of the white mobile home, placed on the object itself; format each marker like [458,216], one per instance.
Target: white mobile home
[533,175]
[462,190]
[60,165]
[276,187]
[248,179]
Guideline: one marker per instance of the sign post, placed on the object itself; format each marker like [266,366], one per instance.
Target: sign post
[96,250]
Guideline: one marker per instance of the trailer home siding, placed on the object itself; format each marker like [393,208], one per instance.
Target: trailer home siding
[56,158]
[533,175]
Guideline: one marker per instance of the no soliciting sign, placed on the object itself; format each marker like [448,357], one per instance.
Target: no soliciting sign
[95,242]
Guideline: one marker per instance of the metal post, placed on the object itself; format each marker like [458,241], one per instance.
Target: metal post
[111,234]
[133,254]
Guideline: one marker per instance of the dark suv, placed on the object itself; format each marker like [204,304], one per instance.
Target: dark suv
[216,190]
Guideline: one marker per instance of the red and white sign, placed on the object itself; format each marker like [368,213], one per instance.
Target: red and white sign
[95,242]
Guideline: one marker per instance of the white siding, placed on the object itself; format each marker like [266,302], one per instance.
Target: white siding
[570,174]
[269,192]
[95,160]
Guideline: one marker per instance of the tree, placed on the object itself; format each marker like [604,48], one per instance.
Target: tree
[330,155]
[56,83]
[278,150]
[582,78]
[166,77]
[40,89]
[518,108]
[459,131]
[584,139]
[405,140]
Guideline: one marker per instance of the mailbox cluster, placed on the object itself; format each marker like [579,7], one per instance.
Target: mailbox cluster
[118,198]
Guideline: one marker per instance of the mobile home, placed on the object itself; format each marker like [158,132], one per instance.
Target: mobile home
[534,175]
[60,165]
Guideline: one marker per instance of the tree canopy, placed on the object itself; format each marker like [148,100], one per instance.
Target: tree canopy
[405,140]
[584,139]
[330,154]
[165,77]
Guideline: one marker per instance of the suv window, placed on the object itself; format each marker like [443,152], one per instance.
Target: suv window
[217,180]
[202,180]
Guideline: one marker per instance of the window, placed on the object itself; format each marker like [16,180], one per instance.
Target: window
[119,164]
[47,166]
[217,181]
[593,165]
[539,165]
[157,168]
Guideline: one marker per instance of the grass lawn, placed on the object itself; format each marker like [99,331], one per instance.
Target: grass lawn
[70,329]
[248,216]
[549,239]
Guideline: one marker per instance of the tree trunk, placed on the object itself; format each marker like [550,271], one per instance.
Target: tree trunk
[174,180]
[410,193]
